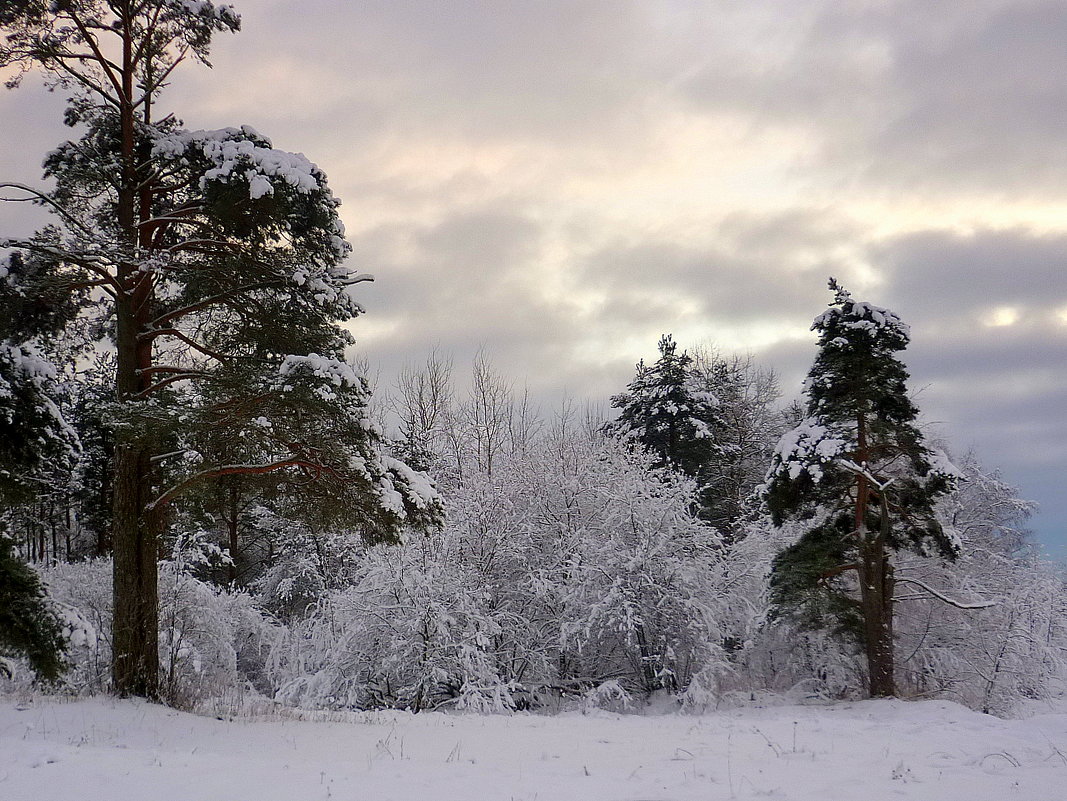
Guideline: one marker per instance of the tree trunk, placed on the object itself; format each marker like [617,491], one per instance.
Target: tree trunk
[54,531]
[649,671]
[876,580]
[135,660]
[876,583]
[135,656]
[231,523]
[135,639]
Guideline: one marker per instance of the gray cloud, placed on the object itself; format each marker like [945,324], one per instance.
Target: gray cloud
[946,273]
[494,159]
[32,124]
[929,97]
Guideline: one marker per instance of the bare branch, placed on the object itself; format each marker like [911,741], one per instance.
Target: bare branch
[174,332]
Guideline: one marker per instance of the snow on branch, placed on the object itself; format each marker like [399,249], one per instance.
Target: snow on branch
[942,597]
[861,470]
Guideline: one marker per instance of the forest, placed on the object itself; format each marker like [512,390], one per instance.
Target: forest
[203,502]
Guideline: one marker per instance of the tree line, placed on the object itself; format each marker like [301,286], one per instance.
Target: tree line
[197,467]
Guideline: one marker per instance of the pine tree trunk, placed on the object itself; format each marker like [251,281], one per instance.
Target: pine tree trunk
[876,584]
[135,655]
[135,639]
[135,659]
[135,642]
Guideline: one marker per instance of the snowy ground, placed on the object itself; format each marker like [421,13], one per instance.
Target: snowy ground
[928,751]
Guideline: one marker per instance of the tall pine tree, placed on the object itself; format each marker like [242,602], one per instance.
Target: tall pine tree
[220,262]
[860,481]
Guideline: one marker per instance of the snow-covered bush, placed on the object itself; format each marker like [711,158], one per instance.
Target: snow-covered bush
[573,563]
[212,642]
[989,629]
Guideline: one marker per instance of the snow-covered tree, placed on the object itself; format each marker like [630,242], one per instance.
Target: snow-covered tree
[30,628]
[749,425]
[220,258]
[994,633]
[668,410]
[568,562]
[36,444]
[859,476]
[35,437]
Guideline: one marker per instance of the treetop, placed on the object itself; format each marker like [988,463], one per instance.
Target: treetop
[847,316]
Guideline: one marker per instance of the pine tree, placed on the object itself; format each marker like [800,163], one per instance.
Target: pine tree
[220,259]
[859,478]
[35,441]
[29,627]
[668,410]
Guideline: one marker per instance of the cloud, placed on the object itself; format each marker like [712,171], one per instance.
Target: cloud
[934,98]
[970,274]
[32,124]
[561,182]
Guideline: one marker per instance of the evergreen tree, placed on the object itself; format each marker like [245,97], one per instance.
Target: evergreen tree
[221,260]
[669,411]
[35,442]
[29,627]
[92,485]
[34,435]
[859,478]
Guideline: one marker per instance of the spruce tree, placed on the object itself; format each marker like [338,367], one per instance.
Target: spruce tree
[35,442]
[29,626]
[668,410]
[859,480]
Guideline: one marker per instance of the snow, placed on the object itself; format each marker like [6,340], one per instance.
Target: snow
[806,448]
[224,13]
[230,149]
[421,490]
[52,750]
[863,316]
[337,372]
[245,154]
[28,360]
[940,464]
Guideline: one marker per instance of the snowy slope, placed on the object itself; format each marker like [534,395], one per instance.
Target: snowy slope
[928,751]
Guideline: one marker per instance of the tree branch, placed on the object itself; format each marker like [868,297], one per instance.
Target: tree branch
[233,469]
[98,56]
[174,332]
[837,571]
[144,393]
[942,597]
[222,297]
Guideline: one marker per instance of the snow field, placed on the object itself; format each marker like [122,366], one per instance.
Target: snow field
[874,750]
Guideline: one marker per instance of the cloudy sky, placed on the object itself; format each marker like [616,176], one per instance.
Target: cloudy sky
[561,181]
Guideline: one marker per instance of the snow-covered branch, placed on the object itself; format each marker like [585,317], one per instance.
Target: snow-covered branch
[942,597]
